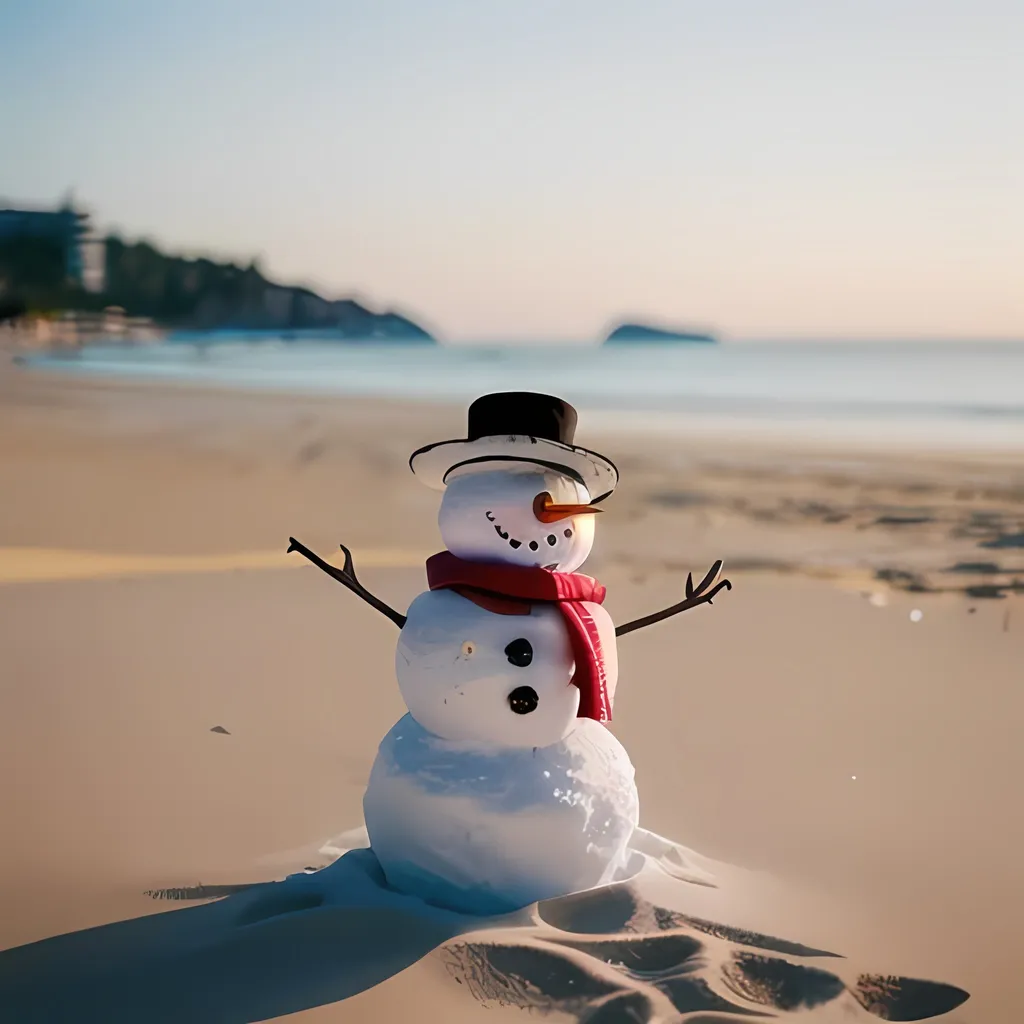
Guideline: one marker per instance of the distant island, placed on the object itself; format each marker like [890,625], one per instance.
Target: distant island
[51,264]
[643,333]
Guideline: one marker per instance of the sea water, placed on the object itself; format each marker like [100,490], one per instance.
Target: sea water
[945,394]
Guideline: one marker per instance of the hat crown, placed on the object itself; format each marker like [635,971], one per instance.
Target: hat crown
[522,414]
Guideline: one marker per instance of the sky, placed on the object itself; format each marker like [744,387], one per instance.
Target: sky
[541,169]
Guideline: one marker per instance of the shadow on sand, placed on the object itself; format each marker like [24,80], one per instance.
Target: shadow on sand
[264,951]
[270,949]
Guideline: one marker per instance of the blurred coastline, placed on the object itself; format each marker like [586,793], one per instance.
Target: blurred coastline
[882,396]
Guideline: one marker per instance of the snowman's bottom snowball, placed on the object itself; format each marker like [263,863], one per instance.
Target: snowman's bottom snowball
[487,832]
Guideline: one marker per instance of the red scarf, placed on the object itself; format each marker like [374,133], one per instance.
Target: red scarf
[511,589]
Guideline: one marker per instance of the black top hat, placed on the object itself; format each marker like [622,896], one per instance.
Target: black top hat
[518,426]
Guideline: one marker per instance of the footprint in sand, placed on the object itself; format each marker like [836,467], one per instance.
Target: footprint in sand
[610,956]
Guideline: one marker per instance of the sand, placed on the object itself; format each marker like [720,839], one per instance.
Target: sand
[867,767]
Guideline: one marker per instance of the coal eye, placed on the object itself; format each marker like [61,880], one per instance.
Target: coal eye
[519,653]
[523,699]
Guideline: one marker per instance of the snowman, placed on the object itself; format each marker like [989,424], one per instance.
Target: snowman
[502,785]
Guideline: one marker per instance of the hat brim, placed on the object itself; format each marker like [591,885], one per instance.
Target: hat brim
[434,463]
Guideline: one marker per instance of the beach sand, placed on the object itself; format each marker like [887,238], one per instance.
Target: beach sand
[867,766]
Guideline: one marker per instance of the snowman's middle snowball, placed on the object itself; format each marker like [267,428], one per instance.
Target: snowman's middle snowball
[469,696]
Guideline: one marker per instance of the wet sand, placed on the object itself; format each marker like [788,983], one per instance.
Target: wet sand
[145,601]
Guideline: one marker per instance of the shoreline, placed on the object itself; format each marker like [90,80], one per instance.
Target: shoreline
[932,424]
[726,433]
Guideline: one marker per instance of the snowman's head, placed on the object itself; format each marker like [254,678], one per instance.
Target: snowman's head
[469,674]
[520,515]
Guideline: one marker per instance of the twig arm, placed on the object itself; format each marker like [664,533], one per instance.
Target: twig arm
[346,576]
[694,597]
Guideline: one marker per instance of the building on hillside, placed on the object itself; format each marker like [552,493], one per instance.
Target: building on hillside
[64,225]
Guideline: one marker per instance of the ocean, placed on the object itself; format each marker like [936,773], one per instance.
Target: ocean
[908,394]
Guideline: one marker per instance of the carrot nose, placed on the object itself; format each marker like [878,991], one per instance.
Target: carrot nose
[547,511]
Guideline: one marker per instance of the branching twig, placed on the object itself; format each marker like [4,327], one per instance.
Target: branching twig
[694,597]
[347,577]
